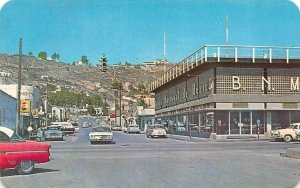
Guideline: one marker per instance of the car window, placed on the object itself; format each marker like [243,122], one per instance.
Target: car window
[101,129]
[16,138]
[4,137]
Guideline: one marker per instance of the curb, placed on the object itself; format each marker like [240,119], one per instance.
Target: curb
[195,139]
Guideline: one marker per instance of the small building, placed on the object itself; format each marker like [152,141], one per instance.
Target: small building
[30,97]
[8,111]
[144,117]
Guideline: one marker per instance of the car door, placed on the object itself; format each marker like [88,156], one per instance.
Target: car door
[9,157]
[297,129]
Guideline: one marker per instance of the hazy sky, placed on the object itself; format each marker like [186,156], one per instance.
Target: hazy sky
[133,30]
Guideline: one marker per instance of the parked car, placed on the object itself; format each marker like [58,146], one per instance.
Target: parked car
[155,130]
[100,134]
[75,125]
[133,129]
[19,154]
[180,129]
[52,132]
[67,127]
[117,128]
[287,134]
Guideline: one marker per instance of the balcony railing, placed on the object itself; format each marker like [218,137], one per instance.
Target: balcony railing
[228,53]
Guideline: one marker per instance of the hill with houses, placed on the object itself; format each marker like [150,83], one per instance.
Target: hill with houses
[88,79]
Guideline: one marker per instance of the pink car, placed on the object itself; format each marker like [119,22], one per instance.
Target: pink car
[17,153]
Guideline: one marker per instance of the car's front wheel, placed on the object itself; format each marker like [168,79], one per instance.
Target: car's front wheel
[25,167]
[287,138]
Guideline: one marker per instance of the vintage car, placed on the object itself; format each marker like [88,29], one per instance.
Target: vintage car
[75,125]
[100,134]
[67,127]
[116,128]
[133,128]
[52,132]
[288,134]
[19,154]
[155,130]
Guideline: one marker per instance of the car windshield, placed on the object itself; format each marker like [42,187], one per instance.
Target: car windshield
[157,126]
[16,138]
[101,129]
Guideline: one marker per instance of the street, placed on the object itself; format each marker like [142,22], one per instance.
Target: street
[136,161]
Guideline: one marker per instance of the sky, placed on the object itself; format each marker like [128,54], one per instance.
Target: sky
[133,30]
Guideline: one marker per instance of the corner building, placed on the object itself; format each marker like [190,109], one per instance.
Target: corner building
[231,90]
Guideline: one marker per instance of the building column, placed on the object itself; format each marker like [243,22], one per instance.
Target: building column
[251,122]
[269,121]
[199,122]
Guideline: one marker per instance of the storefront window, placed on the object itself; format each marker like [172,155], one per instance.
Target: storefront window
[295,116]
[258,117]
[207,122]
[246,124]
[222,122]
[280,119]
[234,123]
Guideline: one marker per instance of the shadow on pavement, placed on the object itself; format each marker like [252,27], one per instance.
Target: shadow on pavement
[12,172]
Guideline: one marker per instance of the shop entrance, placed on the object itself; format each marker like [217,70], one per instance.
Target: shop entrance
[240,122]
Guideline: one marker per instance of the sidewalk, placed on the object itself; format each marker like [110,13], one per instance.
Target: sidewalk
[290,152]
[227,138]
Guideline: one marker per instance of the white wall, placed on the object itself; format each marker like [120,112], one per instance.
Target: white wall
[8,111]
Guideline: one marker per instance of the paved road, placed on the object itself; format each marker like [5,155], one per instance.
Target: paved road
[136,161]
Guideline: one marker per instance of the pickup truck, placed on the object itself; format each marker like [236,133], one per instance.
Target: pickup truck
[288,134]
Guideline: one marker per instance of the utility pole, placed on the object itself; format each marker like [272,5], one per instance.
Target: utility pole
[46,105]
[120,87]
[19,87]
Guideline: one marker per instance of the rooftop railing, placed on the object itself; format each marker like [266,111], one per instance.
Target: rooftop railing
[228,53]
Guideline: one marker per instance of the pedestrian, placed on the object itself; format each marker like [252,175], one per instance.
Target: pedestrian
[29,130]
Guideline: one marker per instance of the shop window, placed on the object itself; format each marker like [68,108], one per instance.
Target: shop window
[245,120]
[295,116]
[258,117]
[222,122]
[234,123]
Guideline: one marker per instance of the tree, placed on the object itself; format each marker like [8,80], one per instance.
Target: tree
[91,110]
[84,60]
[30,54]
[116,85]
[141,87]
[42,55]
[55,56]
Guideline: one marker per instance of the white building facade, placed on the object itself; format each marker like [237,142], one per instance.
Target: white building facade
[8,111]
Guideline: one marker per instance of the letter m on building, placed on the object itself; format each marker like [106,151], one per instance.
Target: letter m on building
[295,85]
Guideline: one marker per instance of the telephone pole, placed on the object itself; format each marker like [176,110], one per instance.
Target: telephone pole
[19,87]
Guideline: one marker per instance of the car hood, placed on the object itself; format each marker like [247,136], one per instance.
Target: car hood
[100,133]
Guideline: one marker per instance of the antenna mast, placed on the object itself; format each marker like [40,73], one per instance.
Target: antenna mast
[226,36]
[164,45]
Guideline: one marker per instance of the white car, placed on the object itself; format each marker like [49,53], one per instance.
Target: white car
[288,134]
[133,129]
[100,134]
[156,130]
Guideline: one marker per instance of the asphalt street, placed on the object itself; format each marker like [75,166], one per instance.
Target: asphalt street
[136,161]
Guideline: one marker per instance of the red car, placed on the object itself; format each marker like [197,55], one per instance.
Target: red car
[17,153]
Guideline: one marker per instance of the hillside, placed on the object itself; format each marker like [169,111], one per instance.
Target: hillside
[76,78]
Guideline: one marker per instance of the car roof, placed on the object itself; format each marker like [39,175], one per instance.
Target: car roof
[7,131]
